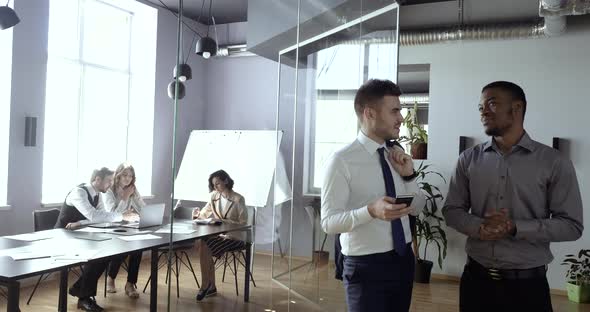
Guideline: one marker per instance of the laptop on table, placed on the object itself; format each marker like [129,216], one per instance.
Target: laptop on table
[150,215]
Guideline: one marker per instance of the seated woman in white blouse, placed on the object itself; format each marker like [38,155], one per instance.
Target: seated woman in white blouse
[229,206]
[123,197]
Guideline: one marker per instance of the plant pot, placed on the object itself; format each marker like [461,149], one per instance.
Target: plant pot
[321,258]
[419,150]
[423,270]
[578,293]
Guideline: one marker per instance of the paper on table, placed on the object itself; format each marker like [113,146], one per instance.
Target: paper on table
[30,237]
[78,256]
[177,230]
[29,255]
[91,230]
[29,252]
[139,237]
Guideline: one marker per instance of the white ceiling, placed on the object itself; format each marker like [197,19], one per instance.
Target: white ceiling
[411,16]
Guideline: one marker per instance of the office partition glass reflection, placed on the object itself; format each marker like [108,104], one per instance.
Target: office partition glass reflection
[340,45]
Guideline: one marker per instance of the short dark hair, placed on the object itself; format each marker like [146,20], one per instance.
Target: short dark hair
[222,175]
[515,91]
[101,173]
[373,90]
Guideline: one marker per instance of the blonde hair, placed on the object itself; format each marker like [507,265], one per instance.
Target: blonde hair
[118,173]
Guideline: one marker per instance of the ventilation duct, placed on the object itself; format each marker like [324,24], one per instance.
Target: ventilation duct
[234,51]
[411,98]
[553,12]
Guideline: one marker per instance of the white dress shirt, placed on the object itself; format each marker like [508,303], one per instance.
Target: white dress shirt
[113,204]
[354,179]
[79,199]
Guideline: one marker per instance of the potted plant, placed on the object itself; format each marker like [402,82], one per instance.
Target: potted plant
[578,276]
[417,137]
[429,228]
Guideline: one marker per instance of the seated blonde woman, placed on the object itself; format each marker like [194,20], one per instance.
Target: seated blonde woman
[229,206]
[123,197]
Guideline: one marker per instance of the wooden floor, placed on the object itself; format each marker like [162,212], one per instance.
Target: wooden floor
[310,281]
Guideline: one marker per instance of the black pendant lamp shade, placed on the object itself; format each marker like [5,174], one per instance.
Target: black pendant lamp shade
[206,47]
[183,72]
[172,88]
[8,17]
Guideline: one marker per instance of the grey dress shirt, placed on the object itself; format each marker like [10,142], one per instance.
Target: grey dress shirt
[534,183]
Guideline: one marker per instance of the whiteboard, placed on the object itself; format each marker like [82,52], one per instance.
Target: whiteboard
[248,156]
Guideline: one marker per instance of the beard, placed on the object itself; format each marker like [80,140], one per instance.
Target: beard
[502,129]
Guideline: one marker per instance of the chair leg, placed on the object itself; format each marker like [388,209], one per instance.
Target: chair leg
[177,273]
[150,278]
[188,260]
[106,275]
[224,267]
[251,276]
[235,273]
[35,289]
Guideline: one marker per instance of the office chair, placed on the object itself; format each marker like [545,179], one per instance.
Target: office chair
[236,255]
[43,220]
[179,251]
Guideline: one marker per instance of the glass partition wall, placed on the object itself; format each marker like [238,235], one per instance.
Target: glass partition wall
[339,45]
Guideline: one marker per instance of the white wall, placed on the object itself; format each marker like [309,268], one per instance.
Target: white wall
[28,99]
[554,75]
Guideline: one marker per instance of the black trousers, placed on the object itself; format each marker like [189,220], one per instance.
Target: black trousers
[379,282]
[86,284]
[132,267]
[481,293]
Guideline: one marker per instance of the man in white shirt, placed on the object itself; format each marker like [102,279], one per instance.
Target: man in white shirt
[358,201]
[83,206]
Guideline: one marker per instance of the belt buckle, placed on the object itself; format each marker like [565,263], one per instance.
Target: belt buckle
[494,274]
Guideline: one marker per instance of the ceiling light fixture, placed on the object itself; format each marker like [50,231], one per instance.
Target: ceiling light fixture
[207,46]
[8,17]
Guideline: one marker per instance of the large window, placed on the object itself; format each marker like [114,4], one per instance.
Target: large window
[5,94]
[99,93]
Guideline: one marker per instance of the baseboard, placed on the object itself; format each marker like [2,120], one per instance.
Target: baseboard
[445,277]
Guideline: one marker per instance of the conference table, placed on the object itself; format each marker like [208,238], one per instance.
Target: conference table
[107,245]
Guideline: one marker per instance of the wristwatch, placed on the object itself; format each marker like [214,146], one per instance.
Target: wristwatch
[411,177]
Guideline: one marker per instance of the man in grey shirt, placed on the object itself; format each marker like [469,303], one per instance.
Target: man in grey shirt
[511,196]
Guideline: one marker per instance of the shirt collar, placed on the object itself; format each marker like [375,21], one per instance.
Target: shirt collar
[525,142]
[90,189]
[368,143]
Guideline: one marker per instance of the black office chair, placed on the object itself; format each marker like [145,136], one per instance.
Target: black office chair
[179,251]
[237,255]
[43,220]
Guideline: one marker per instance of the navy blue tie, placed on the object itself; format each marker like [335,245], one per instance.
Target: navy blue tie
[397,229]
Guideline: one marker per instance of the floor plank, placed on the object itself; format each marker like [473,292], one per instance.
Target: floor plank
[310,281]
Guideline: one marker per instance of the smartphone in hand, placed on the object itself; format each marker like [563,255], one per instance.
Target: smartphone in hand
[404,199]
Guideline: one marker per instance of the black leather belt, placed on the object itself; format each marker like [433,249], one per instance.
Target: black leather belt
[504,274]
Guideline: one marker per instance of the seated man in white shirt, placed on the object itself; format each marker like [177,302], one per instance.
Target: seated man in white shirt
[358,200]
[83,206]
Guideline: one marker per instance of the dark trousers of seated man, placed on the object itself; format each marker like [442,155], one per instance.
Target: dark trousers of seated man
[480,292]
[379,282]
[132,266]
[86,284]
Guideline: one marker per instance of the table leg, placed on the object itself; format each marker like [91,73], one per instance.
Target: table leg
[63,291]
[247,277]
[13,296]
[154,281]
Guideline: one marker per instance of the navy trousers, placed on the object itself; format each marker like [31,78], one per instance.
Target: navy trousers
[379,282]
